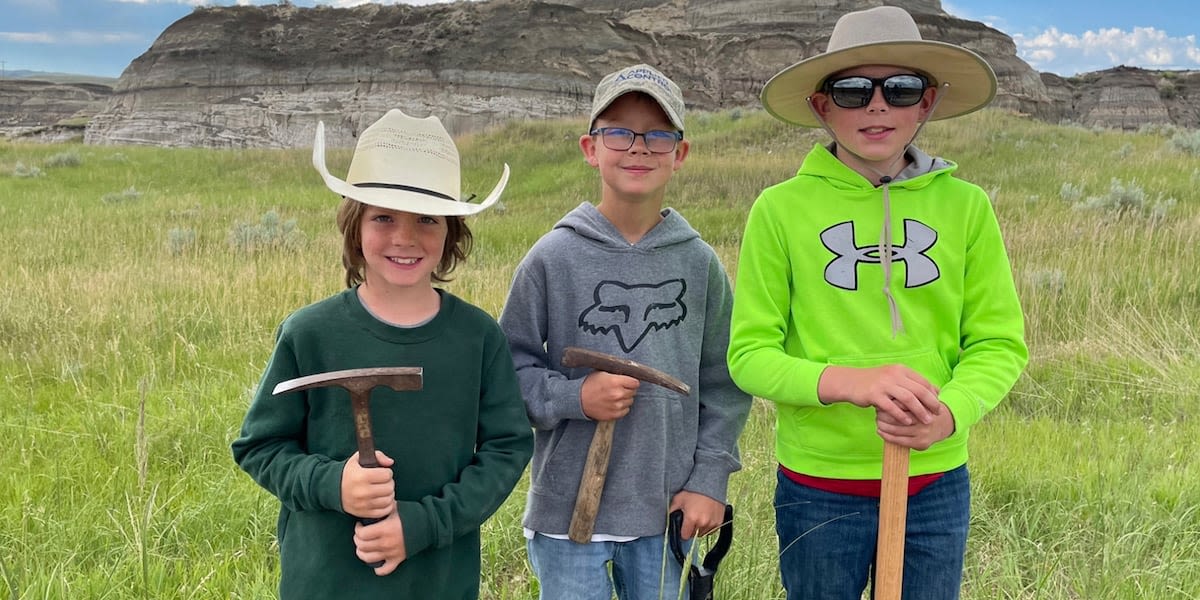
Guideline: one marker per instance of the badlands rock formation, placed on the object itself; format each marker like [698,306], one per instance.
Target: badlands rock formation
[263,76]
[246,76]
[47,110]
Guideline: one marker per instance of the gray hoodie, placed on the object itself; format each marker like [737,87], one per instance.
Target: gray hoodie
[664,302]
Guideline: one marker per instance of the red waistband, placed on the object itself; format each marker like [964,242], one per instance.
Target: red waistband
[855,487]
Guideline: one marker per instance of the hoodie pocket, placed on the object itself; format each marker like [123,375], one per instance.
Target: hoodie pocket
[928,362]
[566,450]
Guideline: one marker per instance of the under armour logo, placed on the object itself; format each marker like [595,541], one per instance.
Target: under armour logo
[842,271]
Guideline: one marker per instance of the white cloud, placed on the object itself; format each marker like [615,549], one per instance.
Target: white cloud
[75,38]
[24,37]
[1043,55]
[1069,54]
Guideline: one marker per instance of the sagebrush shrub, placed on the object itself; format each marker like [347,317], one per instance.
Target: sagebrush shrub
[129,194]
[22,171]
[180,240]
[1129,200]
[1187,141]
[270,233]
[64,159]
[1070,192]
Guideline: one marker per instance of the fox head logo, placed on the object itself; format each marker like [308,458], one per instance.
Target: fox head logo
[631,311]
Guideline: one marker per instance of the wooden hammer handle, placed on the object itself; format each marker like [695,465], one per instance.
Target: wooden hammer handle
[893,516]
[595,467]
[366,445]
[591,484]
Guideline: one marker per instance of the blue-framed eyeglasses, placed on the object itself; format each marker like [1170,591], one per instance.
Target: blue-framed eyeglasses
[621,139]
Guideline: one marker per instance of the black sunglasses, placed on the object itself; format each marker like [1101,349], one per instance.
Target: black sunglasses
[856,91]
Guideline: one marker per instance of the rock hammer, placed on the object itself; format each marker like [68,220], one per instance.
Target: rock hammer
[359,383]
[595,468]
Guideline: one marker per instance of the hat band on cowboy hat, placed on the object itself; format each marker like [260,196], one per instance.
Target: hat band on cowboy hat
[885,35]
[407,164]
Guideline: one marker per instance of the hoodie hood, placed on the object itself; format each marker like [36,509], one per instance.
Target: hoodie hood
[825,163]
[587,221]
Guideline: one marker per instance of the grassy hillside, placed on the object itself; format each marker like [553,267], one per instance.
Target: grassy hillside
[141,289]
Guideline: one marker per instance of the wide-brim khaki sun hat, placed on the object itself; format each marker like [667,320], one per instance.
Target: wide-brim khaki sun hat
[885,35]
[407,164]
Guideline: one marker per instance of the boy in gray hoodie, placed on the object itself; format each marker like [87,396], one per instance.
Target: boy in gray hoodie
[629,278]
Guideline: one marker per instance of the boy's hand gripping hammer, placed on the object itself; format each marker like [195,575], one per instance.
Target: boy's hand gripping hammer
[595,469]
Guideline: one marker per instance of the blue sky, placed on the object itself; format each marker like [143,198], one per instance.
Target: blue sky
[101,37]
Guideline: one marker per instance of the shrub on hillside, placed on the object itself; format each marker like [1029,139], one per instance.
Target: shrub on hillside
[64,159]
[1187,141]
[1166,89]
[1070,192]
[1159,129]
[1129,200]
[21,171]
[129,194]
[270,233]
[180,240]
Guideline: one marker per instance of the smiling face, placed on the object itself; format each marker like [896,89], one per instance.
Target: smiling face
[876,135]
[401,250]
[635,175]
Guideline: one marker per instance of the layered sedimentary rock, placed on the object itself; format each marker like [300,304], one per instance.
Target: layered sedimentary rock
[1127,98]
[31,107]
[263,76]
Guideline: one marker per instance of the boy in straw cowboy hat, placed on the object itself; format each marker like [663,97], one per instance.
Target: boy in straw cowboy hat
[452,451]
[875,303]
[626,277]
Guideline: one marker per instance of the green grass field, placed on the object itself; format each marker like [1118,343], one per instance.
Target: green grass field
[142,286]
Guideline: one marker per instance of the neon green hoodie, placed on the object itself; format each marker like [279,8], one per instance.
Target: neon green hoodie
[809,294]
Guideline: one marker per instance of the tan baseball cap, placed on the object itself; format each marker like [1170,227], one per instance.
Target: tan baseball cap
[639,78]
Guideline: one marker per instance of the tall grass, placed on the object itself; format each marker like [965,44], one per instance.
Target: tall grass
[133,330]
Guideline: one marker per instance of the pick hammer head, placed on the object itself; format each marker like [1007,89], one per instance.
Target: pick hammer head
[580,357]
[398,378]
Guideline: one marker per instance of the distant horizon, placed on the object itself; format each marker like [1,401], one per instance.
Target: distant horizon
[26,73]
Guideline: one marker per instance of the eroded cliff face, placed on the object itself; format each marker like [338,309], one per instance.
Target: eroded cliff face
[263,76]
[47,110]
[245,76]
[1129,98]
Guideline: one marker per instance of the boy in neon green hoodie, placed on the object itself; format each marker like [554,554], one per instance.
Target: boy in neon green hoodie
[874,302]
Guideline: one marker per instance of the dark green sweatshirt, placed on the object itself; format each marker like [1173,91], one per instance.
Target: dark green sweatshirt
[460,445]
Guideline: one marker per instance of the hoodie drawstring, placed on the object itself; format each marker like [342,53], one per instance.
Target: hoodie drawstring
[886,247]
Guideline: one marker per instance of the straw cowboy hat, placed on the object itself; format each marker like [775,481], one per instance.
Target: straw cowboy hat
[407,164]
[885,35]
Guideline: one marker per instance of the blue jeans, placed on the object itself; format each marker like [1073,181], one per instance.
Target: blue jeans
[570,571]
[827,541]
